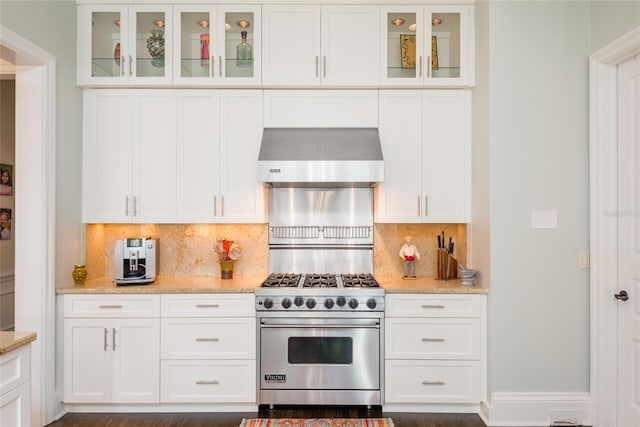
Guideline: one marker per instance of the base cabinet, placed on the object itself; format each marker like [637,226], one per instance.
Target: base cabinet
[111,356]
[434,349]
[208,349]
[15,387]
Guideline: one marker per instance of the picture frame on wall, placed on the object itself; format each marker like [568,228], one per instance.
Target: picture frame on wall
[6,179]
[5,224]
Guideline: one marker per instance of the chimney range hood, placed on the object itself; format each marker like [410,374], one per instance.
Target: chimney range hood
[321,157]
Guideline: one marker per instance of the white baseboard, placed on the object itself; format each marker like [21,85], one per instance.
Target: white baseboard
[536,409]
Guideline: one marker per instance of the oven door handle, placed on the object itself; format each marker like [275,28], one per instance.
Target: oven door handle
[359,325]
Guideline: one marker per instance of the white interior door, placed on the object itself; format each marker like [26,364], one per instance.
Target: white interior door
[628,293]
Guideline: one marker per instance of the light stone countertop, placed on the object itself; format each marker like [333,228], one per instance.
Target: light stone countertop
[206,284]
[426,285]
[10,340]
[167,285]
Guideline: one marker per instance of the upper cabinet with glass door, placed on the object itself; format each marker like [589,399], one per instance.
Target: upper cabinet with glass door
[119,44]
[427,46]
[216,45]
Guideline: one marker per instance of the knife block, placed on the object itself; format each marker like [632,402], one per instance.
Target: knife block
[447,267]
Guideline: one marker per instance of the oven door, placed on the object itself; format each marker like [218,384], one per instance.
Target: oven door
[319,354]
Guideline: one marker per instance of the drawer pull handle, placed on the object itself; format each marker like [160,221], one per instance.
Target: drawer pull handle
[207,382]
[207,339]
[208,305]
[432,382]
[110,306]
[432,339]
[433,306]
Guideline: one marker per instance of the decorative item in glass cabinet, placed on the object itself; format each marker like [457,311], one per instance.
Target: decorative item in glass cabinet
[204,49]
[244,52]
[155,46]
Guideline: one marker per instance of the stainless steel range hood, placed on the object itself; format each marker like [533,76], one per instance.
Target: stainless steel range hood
[325,157]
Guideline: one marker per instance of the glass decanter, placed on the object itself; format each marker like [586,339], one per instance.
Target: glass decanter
[244,52]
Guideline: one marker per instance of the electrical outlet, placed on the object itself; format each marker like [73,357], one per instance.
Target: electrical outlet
[564,417]
[583,260]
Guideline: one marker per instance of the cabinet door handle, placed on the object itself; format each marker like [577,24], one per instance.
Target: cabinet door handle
[418,205]
[213,66]
[207,305]
[324,66]
[215,206]
[135,206]
[207,339]
[106,331]
[432,306]
[130,66]
[317,69]
[213,382]
[420,64]
[110,306]
[432,339]
[427,382]
[428,65]
[221,205]
[113,340]
[219,66]
[426,205]
[126,205]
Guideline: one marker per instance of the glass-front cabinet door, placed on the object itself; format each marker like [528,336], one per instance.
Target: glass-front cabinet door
[120,44]
[427,46]
[217,45]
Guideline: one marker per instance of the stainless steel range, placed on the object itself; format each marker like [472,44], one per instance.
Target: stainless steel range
[320,311]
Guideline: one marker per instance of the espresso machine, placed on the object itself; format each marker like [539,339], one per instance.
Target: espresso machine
[135,261]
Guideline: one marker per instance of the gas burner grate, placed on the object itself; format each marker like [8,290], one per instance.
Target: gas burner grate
[359,281]
[320,281]
[277,280]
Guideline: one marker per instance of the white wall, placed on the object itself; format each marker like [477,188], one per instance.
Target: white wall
[539,313]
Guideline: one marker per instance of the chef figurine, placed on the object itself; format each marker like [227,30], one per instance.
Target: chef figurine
[409,253]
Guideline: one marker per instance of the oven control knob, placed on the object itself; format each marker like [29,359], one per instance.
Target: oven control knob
[371,303]
[298,301]
[311,303]
[328,303]
[341,301]
[353,303]
[286,303]
[268,303]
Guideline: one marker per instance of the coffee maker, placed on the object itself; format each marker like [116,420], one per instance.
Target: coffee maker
[135,261]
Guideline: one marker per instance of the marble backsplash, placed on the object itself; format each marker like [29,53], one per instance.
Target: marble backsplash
[187,249]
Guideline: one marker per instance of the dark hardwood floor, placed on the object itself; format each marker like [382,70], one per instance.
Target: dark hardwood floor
[221,419]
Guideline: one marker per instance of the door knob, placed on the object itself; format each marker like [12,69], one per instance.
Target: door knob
[623,295]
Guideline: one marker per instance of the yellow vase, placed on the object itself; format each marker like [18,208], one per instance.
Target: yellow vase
[79,274]
[226,269]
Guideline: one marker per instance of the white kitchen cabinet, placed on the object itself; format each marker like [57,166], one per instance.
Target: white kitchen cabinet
[434,350]
[310,45]
[206,45]
[218,133]
[111,349]
[15,387]
[120,44]
[129,148]
[425,138]
[427,45]
[208,348]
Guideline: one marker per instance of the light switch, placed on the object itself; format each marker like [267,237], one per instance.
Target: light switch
[544,219]
[583,260]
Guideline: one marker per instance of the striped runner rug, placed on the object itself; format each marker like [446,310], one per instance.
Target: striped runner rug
[317,422]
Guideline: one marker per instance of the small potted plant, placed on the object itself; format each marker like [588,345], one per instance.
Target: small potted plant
[228,253]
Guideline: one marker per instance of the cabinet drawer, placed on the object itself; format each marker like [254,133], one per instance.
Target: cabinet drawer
[209,381]
[432,338]
[15,406]
[15,368]
[230,338]
[413,381]
[432,305]
[130,305]
[206,305]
